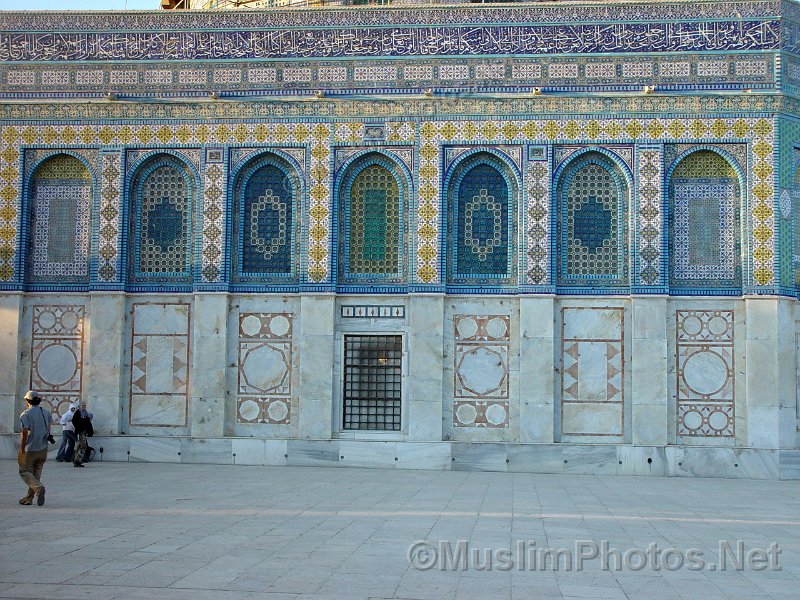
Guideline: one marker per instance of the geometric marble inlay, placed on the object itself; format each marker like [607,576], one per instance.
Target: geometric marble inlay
[705,373]
[57,354]
[592,372]
[265,368]
[481,371]
[160,365]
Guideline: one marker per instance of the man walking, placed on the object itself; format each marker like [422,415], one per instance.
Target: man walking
[33,440]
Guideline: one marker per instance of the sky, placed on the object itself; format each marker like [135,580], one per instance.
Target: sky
[78,4]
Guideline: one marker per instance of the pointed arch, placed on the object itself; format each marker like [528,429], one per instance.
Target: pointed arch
[482,191]
[373,196]
[593,196]
[60,197]
[704,221]
[162,242]
[266,226]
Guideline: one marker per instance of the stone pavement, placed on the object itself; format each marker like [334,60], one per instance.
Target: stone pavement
[195,532]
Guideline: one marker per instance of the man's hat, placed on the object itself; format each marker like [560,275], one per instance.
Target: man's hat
[32,395]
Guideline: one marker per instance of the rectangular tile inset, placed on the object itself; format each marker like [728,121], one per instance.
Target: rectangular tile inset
[160,365]
[592,372]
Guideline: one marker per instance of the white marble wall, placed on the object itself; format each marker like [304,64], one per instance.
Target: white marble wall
[264,369]
[10,359]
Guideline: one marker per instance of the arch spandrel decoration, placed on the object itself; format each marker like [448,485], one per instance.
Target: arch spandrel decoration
[265,227]
[593,198]
[163,198]
[61,199]
[481,211]
[704,223]
[373,193]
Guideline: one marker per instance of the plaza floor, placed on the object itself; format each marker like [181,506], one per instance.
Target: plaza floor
[196,532]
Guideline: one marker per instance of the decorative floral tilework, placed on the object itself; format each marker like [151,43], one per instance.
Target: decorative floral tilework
[704,195]
[61,201]
[213,222]
[480,219]
[592,229]
[163,225]
[110,215]
[538,223]
[649,218]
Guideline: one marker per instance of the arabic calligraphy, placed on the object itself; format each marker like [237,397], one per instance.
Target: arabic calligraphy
[391,41]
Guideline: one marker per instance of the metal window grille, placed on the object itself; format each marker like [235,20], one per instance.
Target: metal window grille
[372,382]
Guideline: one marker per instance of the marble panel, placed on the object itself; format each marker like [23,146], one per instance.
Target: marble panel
[705,373]
[367,454]
[537,422]
[265,367]
[649,319]
[762,382]
[762,319]
[275,452]
[107,410]
[536,318]
[161,319]
[481,370]
[426,362]
[584,323]
[789,464]
[425,419]
[649,424]
[163,410]
[315,346]
[114,449]
[413,455]
[649,371]
[479,457]
[703,462]
[106,348]
[592,372]
[207,416]
[535,458]
[9,443]
[641,460]
[590,460]
[159,385]
[247,451]
[10,314]
[591,419]
[480,413]
[152,449]
[213,451]
[57,336]
[312,453]
[763,426]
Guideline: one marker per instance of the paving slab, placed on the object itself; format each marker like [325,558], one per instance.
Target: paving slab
[186,531]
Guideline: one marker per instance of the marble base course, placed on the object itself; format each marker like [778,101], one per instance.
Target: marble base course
[583,459]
